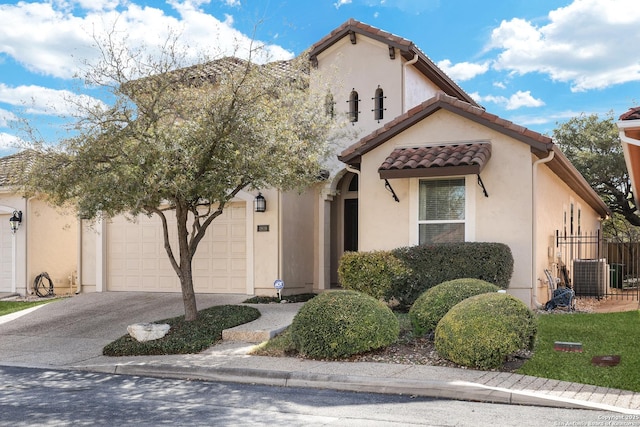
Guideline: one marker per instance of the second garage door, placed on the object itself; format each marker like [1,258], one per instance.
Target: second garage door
[137,261]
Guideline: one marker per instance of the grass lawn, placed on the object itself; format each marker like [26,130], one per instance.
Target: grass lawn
[8,307]
[601,334]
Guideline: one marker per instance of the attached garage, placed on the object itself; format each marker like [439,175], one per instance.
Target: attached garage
[137,260]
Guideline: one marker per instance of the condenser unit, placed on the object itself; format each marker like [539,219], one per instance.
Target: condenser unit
[590,277]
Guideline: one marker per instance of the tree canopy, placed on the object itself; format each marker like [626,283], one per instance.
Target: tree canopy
[593,146]
[185,141]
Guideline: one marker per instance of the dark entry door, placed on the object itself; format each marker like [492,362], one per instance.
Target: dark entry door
[351,224]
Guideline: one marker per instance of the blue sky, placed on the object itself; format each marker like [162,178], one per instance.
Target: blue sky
[536,63]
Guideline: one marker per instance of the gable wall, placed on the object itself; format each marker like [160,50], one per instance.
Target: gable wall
[417,88]
[505,216]
[364,66]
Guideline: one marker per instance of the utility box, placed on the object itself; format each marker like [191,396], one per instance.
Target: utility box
[590,277]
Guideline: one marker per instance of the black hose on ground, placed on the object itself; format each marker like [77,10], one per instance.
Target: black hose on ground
[40,288]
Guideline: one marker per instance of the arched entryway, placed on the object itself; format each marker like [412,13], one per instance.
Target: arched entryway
[344,221]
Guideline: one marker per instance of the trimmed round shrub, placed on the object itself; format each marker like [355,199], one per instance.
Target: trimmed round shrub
[481,331]
[338,324]
[434,303]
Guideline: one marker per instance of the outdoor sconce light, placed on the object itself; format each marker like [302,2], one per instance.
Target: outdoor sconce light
[259,203]
[15,221]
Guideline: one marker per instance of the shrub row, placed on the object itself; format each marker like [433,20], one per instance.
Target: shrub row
[402,274]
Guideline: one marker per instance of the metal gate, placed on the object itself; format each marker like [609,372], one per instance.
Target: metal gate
[599,268]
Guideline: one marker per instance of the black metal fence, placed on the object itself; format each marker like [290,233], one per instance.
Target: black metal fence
[599,268]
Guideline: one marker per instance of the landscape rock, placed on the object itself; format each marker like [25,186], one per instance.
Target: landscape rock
[148,331]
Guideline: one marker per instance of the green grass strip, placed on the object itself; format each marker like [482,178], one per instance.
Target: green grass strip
[8,307]
[601,334]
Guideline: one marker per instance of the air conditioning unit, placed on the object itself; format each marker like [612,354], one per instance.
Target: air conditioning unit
[590,277]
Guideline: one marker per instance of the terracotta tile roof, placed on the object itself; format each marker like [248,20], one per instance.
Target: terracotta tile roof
[439,160]
[407,49]
[11,167]
[537,141]
[541,145]
[632,114]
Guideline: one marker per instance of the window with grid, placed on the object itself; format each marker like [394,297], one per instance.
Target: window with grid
[442,205]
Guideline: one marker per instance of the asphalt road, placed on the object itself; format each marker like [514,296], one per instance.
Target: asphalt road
[37,397]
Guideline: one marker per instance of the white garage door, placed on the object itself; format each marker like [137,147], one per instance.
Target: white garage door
[137,261]
[6,254]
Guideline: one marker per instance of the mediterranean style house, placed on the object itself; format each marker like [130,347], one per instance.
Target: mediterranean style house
[424,164]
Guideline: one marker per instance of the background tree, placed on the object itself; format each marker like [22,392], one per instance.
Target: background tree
[593,146]
[184,141]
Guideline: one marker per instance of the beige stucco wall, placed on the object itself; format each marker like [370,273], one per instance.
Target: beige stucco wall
[362,67]
[298,232]
[45,242]
[417,88]
[505,216]
[52,245]
[553,199]
[267,245]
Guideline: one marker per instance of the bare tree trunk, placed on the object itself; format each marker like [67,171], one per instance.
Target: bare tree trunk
[186,274]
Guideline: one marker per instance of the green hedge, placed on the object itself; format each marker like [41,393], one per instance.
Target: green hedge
[423,267]
[373,273]
[338,324]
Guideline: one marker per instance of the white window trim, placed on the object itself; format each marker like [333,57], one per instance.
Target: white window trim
[470,183]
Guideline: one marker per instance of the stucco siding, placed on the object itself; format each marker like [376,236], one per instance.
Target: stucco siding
[298,241]
[52,244]
[504,216]
[417,88]
[553,200]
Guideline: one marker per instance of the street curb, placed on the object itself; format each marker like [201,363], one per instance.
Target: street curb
[457,390]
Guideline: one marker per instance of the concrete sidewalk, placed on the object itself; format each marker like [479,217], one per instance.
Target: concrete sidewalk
[25,344]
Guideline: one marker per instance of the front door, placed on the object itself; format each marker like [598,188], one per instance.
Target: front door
[351,225]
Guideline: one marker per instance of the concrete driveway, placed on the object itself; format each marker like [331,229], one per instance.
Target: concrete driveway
[74,330]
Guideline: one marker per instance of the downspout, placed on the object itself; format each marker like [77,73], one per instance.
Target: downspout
[404,80]
[534,229]
[352,170]
[79,259]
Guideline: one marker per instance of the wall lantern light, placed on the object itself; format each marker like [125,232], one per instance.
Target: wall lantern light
[259,203]
[15,221]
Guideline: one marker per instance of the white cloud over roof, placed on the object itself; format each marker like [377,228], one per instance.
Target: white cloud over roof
[591,44]
[64,38]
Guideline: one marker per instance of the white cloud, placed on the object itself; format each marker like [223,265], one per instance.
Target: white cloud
[232,3]
[463,70]
[49,39]
[592,44]
[6,117]
[44,101]
[517,100]
[341,3]
[8,141]
[523,99]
